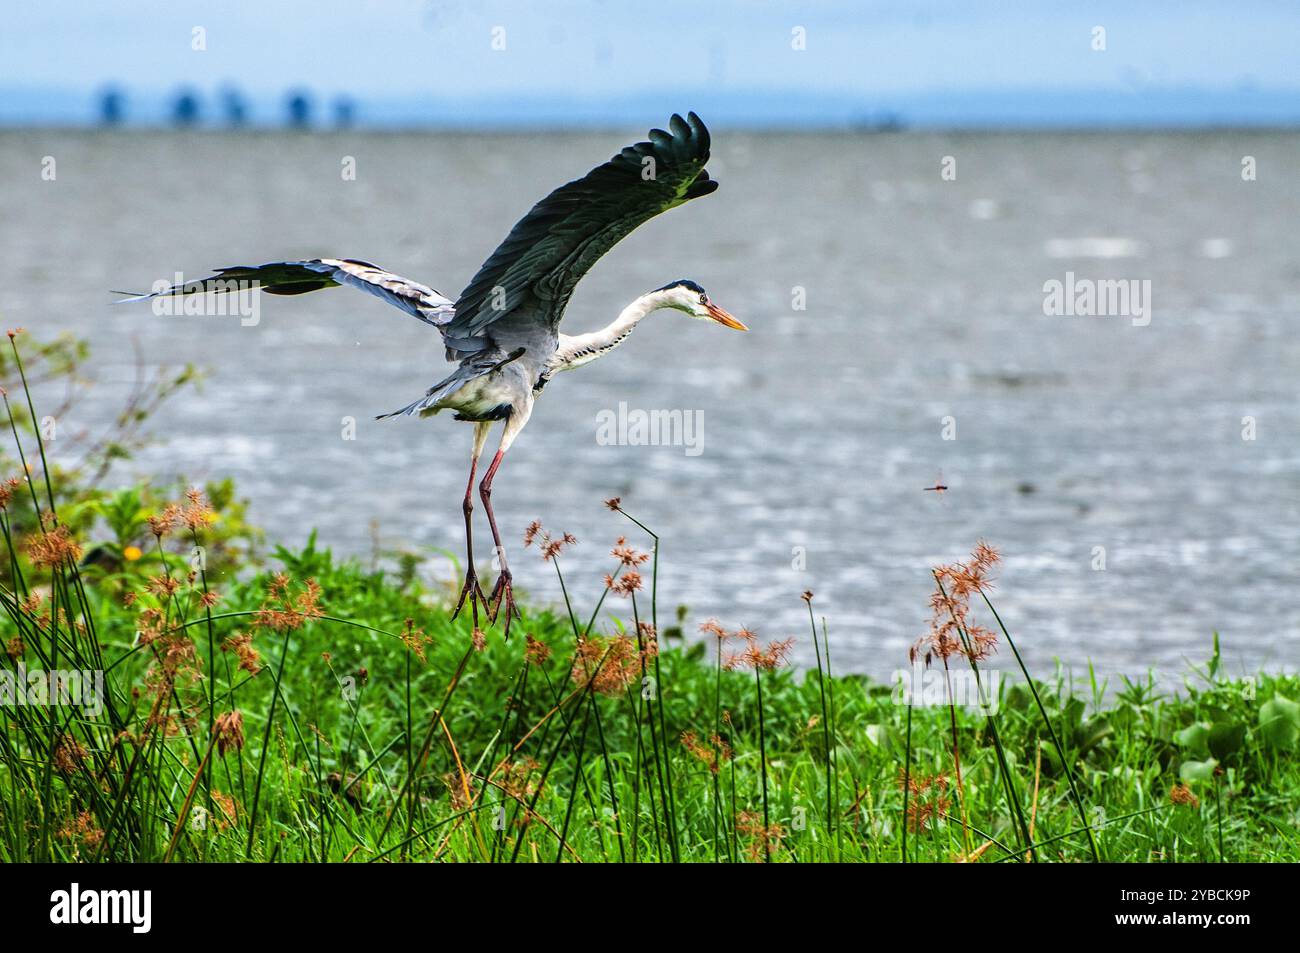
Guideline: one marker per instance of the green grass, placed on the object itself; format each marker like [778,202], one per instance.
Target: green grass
[342,765]
[375,730]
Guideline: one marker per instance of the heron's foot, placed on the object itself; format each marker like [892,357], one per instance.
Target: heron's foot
[503,597]
[472,591]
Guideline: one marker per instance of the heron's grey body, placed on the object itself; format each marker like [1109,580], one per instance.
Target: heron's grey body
[503,331]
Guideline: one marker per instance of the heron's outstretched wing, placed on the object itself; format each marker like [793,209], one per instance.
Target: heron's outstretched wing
[300,277]
[555,244]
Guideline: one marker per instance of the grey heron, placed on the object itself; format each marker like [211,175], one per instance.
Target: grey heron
[502,332]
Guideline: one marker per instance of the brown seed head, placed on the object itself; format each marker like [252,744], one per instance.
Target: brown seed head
[84,829]
[69,755]
[755,656]
[282,611]
[536,651]
[196,513]
[241,646]
[714,627]
[166,521]
[927,799]
[628,582]
[611,664]
[763,840]
[7,491]
[951,631]
[54,547]
[415,639]
[626,555]
[228,729]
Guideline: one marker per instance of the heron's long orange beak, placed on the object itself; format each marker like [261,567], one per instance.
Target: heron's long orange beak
[723,318]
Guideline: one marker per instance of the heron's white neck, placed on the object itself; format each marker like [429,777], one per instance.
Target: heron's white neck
[579,349]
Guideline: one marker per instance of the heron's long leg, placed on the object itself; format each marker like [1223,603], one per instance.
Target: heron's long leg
[502,593]
[471,588]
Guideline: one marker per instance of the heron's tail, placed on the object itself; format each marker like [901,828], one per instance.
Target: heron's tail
[436,393]
[467,372]
[406,411]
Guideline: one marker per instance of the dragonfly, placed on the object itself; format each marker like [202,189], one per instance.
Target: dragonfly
[939,488]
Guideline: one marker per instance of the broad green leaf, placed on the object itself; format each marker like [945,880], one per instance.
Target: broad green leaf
[1194,738]
[1226,739]
[1279,722]
[1094,733]
[1194,772]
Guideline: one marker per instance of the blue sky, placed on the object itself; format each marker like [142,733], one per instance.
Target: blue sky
[414,54]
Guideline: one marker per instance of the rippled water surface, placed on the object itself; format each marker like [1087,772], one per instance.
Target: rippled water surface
[821,427]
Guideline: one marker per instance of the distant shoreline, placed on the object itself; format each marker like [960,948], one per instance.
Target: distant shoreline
[938,110]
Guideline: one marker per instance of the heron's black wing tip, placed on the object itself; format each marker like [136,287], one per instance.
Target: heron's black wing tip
[699,131]
[701,186]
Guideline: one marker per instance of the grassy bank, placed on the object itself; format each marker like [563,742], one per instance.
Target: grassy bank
[361,735]
[320,711]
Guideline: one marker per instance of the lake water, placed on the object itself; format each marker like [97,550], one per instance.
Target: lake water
[923,314]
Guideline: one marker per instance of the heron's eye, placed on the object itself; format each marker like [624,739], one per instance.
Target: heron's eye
[704,299]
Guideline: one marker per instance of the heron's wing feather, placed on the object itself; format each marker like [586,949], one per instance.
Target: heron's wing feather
[554,245]
[299,277]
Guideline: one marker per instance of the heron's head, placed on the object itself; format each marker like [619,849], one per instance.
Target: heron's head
[686,295]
